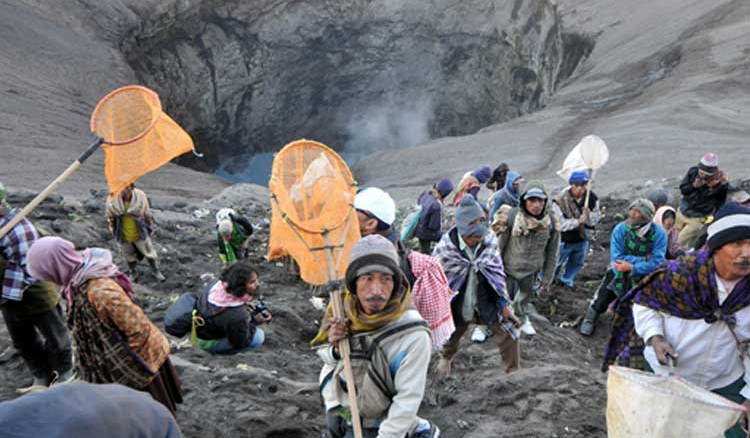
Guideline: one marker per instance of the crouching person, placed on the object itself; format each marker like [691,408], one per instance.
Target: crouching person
[390,382]
[223,323]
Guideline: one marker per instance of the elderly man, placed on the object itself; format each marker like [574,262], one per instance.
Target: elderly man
[637,247]
[30,307]
[529,241]
[130,221]
[470,258]
[695,312]
[390,349]
[704,189]
[576,226]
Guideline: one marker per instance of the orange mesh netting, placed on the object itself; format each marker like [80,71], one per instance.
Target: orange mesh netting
[312,191]
[138,136]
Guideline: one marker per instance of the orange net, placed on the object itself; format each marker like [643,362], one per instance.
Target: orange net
[313,219]
[138,136]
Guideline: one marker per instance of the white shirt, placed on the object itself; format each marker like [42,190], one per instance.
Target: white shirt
[708,353]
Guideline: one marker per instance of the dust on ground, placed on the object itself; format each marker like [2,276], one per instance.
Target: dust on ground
[273,392]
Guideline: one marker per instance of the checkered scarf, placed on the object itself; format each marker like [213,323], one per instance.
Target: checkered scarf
[15,245]
[685,288]
[432,296]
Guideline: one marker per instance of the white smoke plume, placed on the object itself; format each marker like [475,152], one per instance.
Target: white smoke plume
[390,124]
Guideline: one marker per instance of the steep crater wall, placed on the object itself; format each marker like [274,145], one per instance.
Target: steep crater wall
[246,77]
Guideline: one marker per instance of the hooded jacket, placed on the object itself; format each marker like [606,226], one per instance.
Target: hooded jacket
[506,195]
[528,249]
[430,221]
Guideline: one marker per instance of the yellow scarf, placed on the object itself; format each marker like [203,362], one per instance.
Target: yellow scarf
[359,321]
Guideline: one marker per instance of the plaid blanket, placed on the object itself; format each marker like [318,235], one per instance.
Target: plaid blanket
[685,288]
[432,296]
[14,247]
[456,265]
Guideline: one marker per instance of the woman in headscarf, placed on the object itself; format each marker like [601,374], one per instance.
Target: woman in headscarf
[471,182]
[508,195]
[114,339]
[665,216]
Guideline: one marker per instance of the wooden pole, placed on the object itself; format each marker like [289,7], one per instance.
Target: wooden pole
[343,345]
[50,188]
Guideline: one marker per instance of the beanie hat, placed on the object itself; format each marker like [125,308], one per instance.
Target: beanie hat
[709,163]
[373,253]
[378,203]
[483,174]
[444,187]
[578,177]
[658,196]
[646,208]
[468,211]
[731,223]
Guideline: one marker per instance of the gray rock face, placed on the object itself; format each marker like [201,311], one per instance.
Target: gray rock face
[250,76]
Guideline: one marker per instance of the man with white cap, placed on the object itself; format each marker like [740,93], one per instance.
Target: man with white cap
[704,191]
[390,349]
[529,242]
[695,312]
[233,233]
[376,212]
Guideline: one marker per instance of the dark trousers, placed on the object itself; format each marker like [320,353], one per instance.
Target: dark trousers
[42,340]
[604,296]
[425,246]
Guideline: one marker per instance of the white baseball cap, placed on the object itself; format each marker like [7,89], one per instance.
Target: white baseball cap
[378,203]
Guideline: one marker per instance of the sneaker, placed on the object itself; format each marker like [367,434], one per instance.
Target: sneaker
[479,335]
[432,432]
[528,329]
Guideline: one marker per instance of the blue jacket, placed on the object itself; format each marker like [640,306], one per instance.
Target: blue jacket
[506,195]
[641,265]
[430,221]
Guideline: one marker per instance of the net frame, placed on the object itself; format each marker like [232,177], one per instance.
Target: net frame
[154,104]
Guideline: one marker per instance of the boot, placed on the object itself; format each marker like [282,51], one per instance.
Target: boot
[589,321]
[132,266]
[429,431]
[155,267]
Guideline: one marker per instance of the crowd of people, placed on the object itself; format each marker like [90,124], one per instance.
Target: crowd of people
[678,284]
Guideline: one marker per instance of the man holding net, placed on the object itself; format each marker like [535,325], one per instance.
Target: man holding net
[131,223]
[390,382]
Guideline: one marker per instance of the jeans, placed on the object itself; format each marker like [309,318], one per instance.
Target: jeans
[42,340]
[572,256]
[222,346]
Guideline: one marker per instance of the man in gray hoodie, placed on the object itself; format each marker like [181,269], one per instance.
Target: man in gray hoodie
[529,242]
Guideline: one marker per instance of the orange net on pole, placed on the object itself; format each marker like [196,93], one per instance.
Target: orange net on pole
[138,136]
[312,196]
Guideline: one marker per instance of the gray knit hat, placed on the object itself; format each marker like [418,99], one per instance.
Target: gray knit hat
[373,253]
[645,206]
[468,211]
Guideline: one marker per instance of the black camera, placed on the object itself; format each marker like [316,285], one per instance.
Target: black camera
[259,308]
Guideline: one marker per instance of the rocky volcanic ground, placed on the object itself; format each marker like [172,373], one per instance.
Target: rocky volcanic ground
[273,392]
